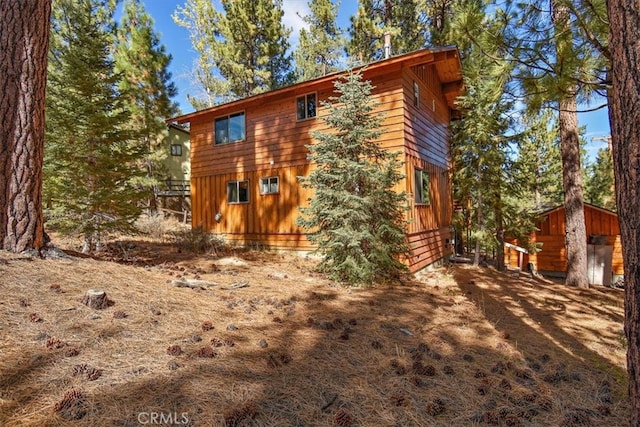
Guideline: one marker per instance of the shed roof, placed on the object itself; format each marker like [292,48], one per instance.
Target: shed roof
[586,205]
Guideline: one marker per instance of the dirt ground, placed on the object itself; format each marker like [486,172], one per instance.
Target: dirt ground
[264,340]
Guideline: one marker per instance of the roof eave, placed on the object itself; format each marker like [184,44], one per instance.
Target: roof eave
[423,56]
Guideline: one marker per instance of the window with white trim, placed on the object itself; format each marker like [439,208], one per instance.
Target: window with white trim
[421,183]
[269,185]
[238,191]
[306,106]
[229,128]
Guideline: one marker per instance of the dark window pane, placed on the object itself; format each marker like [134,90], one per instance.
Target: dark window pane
[243,191]
[232,192]
[425,187]
[222,130]
[311,105]
[300,107]
[418,185]
[236,127]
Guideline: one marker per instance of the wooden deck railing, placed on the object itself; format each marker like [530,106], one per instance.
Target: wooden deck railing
[173,187]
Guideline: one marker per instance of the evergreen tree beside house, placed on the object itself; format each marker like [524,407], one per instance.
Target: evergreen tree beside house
[91,155]
[355,217]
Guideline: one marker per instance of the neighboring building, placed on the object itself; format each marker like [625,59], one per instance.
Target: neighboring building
[247,155]
[604,247]
[177,163]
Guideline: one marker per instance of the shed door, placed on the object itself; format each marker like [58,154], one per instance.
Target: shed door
[599,258]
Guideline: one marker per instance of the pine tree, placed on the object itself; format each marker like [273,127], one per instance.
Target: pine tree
[355,217]
[599,185]
[439,14]
[538,164]
[90,161]
[566,67]
[479,146]
[400,18]
[561,62]
[147,88]
[243,49]
[318,51]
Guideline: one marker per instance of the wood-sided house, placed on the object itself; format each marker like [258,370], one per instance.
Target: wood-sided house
[247,155]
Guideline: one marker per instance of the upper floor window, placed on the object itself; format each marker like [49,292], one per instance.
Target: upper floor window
[176,150]
[238,191]
[416,94]
[306,106]
[230,128]
[269,185]
[422,193]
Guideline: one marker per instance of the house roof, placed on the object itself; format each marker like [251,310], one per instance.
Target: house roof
[172,125]
[446,60]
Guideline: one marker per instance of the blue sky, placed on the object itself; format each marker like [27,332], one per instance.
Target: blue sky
[177,43]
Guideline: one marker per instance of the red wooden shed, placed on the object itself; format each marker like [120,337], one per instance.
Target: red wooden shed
[603,243]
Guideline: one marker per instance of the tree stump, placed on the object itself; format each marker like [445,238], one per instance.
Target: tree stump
[96,299]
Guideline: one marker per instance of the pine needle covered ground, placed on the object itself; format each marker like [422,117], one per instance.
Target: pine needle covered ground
[453,346]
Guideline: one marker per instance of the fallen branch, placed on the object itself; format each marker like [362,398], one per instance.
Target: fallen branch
[237,285]
[192,283]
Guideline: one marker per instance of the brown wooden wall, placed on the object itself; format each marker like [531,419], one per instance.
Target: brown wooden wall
[267,218]
[427,148]
[553,257]
[275,146]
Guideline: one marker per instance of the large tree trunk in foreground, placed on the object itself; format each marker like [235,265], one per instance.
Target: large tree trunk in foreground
[24,41]
[575,229]
[624,115]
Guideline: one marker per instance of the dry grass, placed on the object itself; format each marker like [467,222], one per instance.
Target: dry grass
[458,346]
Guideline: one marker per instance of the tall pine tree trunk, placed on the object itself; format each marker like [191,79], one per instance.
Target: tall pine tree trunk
[24,41]
[575,230]
[499,233]
[624,115]
[480,228]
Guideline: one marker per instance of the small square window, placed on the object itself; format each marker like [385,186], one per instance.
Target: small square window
[269,185]
[422,192]
[416,94]
[238,191]
[306,106]
[176,150]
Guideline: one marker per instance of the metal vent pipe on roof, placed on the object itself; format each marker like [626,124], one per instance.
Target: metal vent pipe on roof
[387,45]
